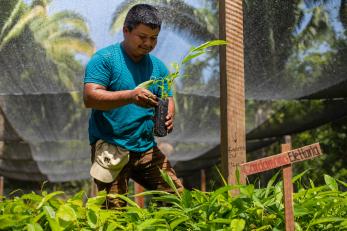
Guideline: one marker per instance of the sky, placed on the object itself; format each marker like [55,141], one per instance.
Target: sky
[98,15]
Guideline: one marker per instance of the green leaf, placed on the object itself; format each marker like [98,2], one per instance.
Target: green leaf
[151,192]
[92,219]
[66,213]
[169,181]
[6,222]
[48,197]
[223,190]
[247,190]
[146,84]
[343,224]
[297,227]
[341,182]
[34,227]
[178,221]
[49,211]
[150,223]
[237,174]
[38,217]
[327,220]
[77,199]
[221,221]
[221,176]
[297,177]
[208,44]
[97,200]
[300,211]
[192,56]
[32,197]
[125,198]
[186,198]
[237,224]
[270,183]
[54,225]
[264,227]
[114,226]
[50,214]
[169,199]
[331,182]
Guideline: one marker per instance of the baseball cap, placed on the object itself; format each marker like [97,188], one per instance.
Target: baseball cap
[109,161]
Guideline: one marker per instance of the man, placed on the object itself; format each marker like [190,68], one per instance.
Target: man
[121,126]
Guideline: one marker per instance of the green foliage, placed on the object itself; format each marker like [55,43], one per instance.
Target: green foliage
[316,208]
[332,138]
[176,73]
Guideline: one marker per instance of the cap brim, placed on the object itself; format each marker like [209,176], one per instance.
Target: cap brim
[103,174]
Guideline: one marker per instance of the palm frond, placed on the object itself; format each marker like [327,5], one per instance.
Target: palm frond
[43,3]
[62,19]
[72,45]
[21,24]
[18,9]
[317,26]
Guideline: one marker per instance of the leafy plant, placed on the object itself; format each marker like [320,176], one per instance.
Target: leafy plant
[165,83]
[315,207]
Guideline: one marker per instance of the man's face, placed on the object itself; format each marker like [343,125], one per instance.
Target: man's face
[141,40]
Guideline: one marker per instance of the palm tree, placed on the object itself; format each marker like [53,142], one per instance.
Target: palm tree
[63,35]
[41,92]
[319,49]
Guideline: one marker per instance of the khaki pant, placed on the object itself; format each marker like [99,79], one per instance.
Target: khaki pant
[143,168]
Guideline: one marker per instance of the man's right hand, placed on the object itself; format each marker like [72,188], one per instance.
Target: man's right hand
[144,98]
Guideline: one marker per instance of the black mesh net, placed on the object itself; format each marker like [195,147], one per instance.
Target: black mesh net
[295,56]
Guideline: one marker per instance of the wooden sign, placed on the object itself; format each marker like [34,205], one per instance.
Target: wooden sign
[284,158]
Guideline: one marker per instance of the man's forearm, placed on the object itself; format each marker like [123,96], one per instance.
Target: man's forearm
[98,97]
[106,100]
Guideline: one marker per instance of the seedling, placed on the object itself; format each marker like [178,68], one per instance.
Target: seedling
[165,84]
[176,69]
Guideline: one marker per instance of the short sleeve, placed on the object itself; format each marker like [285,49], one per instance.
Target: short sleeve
[98,71]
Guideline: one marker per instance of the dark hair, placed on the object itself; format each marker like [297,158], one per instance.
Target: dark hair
[143,14]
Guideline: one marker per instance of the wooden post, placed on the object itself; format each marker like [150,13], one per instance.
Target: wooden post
[203,180]
[140,200]
[232,91]
[287,173]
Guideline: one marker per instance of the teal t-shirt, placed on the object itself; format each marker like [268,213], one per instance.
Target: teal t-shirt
[128,126]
